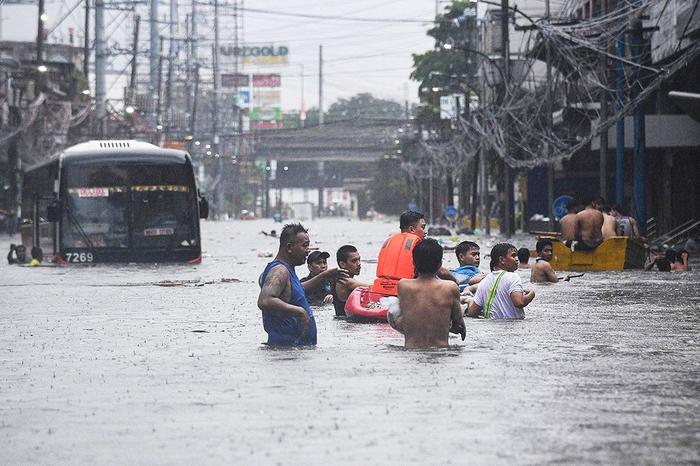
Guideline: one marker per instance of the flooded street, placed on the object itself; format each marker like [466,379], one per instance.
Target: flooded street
[146,364]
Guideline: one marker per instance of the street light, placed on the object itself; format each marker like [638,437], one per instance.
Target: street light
[42,68]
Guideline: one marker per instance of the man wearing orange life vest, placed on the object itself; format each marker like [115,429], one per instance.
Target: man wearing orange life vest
[396,255]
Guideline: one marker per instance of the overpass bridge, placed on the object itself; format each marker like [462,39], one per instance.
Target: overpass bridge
[337,155]
[356,141]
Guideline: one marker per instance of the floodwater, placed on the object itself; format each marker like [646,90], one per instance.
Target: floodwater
[106,364]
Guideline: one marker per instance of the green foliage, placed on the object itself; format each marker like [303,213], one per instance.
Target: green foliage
[360,106]
[364,106]
[390,193]
[444,68]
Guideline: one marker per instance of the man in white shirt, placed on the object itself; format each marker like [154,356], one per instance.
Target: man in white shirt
[501,294]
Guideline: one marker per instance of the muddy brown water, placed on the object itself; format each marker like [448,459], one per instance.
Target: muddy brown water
[158,364]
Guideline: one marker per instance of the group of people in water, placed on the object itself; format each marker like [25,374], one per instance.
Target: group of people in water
[432,300]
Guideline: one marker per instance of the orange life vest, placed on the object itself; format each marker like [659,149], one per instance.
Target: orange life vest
[395,262]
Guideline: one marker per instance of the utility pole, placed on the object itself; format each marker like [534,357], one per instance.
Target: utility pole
[41,81]
[159,87]
[217,75]
[193,113]
[430,193]
[193,67]
[238,143]
[548,110]
[302,108]
[640,201]
[485,214]
[320,85]
[154,60]
[172,55]
[215,125]
[100,45]
[40,35]
[508,214]
[619,101]
[86,43]
[134,56]
[603,159]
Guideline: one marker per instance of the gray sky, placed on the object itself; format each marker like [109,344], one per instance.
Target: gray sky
[359,56]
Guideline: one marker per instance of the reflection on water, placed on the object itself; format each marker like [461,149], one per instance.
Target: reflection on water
[165,363]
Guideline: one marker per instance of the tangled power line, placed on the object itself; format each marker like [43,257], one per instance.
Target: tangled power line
[514,123]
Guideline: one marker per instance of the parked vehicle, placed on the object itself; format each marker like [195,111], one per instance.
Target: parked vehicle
[114,201]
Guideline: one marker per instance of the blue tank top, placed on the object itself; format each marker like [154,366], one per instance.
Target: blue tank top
[283,328]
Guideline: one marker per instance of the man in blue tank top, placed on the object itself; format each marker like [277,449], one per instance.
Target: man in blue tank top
[287,316]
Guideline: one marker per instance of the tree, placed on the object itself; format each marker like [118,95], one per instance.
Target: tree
[443,68]
[364,106]
[390,193]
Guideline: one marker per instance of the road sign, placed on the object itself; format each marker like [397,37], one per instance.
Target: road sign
[559,206]
[451,213]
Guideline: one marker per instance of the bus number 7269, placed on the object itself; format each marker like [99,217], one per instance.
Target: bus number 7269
[76,257]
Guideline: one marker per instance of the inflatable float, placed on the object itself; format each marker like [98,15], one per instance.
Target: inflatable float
[363,304]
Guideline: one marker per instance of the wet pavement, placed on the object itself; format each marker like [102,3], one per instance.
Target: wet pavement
[147,364]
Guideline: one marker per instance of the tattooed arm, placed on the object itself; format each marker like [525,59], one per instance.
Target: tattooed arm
[275,294]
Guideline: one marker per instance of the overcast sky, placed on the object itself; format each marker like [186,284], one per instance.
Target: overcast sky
[359,56]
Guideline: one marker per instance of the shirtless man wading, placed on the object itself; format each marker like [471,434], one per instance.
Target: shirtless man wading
[430,307]
[542,271]
[590,227]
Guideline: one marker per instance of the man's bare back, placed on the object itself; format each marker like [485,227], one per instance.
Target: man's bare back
[590,224]
[609,228]
[569,227]
[429,306]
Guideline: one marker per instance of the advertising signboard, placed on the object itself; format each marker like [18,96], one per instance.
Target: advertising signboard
[267,80]
[232,80]
[243,100]
[258,54]
[266,108]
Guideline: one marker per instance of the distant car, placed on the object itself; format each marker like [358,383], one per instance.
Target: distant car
[246,215]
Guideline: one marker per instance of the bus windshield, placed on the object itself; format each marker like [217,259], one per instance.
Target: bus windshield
[129,205]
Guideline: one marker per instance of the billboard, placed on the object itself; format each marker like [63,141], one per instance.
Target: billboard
[267,80]
[258,54]
[243,100]
[266,109]
[232,80]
